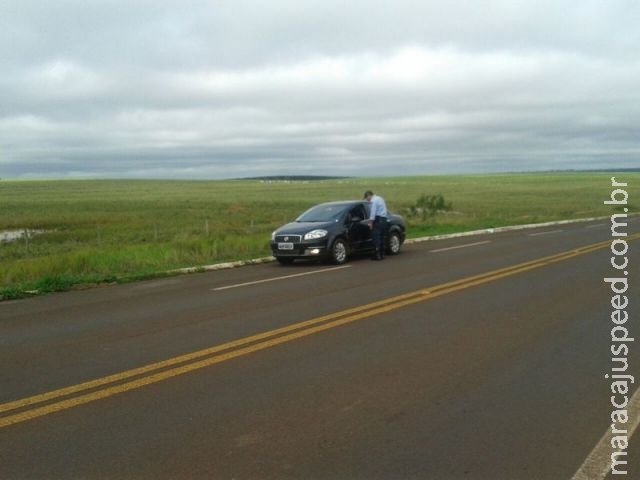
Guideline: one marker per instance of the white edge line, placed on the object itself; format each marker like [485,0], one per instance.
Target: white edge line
[597,465]
[283,277]
[545,233]
[223,266]
[460,246]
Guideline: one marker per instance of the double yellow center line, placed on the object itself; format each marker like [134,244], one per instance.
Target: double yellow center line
[54,401]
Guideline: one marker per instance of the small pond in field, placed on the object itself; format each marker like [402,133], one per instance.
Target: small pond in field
[13,235]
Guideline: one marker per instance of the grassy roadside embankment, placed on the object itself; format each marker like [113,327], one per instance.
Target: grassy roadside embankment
[122,230]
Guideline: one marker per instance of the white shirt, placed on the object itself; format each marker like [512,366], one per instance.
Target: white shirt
[378,208]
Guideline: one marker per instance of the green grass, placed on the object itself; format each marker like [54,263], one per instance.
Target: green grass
[114,231]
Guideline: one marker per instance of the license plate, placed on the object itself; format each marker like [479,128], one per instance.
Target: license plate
[285,246]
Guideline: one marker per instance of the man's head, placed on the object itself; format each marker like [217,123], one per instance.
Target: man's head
[367,195]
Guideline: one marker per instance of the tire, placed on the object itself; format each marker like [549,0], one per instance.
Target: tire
[284,260]
[339,253]
[394,244]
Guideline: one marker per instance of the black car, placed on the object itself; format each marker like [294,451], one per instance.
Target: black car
[333,231]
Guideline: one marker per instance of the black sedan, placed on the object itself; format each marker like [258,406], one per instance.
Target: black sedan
[333,231]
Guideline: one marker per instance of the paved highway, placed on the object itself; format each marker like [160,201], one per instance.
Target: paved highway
[480,357]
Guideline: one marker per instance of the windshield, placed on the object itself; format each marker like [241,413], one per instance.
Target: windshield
[322,213]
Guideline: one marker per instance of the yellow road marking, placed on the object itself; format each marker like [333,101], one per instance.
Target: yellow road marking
[122,382]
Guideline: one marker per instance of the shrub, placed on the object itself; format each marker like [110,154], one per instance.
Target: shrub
[427,206]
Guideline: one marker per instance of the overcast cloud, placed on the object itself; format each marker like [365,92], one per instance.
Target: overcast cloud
[207,89]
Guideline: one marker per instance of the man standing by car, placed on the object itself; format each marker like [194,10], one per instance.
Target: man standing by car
[378,221]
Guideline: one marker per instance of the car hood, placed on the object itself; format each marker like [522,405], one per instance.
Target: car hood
[298,228]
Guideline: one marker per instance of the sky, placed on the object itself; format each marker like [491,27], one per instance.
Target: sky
[225,89]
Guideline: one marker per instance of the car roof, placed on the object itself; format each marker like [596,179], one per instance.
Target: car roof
[345,203]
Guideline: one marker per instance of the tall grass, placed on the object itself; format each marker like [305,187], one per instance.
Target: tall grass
[116,230]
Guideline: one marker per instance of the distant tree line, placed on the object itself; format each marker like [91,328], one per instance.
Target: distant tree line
[294,178]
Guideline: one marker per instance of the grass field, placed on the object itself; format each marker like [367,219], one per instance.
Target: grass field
[116,230]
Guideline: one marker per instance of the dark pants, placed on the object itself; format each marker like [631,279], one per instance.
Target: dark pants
[380,226]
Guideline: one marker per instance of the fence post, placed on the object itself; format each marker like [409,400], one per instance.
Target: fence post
[26,240]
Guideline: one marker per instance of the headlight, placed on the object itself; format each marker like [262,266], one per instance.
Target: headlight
[273,236]
[314,234]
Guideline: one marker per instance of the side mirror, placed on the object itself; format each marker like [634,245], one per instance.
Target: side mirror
[356,219]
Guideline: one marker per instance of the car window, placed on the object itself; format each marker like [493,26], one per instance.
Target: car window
[322,213]
[359,212]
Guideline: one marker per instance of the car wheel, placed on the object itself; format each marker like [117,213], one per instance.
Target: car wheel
[393,248]
[285,260]
[339,252]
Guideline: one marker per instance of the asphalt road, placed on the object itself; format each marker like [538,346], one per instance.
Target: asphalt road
[465,358]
